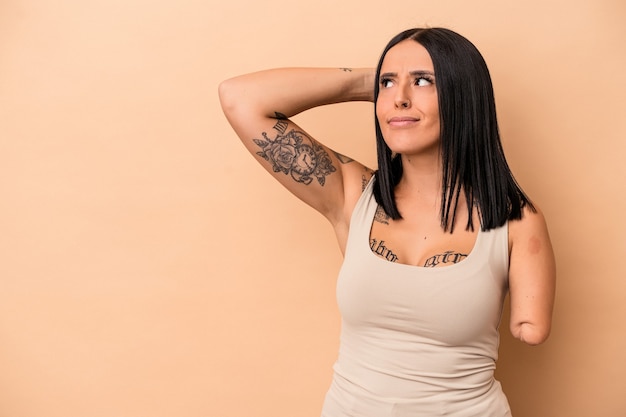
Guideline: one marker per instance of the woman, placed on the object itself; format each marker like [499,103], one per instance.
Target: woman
[432,240]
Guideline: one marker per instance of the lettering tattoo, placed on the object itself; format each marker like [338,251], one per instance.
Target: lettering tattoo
[380,216]
[445,258]
[281,123]
[295,153]
[366,178]
[379,248]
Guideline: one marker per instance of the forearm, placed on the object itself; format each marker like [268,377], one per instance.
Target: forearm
[289,91]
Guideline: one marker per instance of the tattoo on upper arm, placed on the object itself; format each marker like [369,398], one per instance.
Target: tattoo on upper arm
[444,258]
[295,153]
[281,123]
[342,158]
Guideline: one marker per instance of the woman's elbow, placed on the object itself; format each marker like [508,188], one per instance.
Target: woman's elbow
[531,334]
[226,91]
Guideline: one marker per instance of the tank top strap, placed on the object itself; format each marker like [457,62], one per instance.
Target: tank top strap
[494,244]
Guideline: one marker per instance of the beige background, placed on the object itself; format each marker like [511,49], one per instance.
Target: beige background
[149,268]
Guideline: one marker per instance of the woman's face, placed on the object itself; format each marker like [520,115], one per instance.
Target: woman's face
[407,107]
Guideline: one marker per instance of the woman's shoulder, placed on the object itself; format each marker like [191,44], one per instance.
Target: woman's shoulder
[530,231]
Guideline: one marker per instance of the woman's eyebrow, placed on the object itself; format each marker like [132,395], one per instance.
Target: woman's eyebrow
[413,73]
[422,72]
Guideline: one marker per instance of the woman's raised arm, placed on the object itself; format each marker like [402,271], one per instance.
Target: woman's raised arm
[258,107]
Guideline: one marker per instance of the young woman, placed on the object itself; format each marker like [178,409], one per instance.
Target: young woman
[432,240]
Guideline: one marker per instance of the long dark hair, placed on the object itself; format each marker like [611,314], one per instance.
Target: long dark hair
[471,151]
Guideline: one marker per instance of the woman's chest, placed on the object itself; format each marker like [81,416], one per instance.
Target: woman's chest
[419,241]
[450,305]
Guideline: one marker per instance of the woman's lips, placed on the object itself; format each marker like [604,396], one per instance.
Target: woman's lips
[402,121]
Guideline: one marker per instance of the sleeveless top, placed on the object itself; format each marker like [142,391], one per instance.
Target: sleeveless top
[418,341]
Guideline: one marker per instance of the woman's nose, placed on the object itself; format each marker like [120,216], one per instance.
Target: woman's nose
[402,99]
[403,103]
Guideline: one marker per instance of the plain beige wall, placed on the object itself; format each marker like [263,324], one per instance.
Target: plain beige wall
[149,268]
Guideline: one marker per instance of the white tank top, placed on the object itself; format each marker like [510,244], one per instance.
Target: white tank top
[418,341]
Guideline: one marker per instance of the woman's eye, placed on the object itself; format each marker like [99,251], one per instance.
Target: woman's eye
[421,82]
[385,83]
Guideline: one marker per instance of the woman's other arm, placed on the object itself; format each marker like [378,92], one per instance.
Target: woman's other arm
[532,278]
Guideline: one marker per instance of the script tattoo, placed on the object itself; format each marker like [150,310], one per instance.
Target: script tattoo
[444,258]
[379,248]
[295,153]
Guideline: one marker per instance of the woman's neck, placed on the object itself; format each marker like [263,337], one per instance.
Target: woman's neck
[421,177]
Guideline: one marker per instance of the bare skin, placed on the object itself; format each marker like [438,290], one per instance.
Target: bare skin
[259,106]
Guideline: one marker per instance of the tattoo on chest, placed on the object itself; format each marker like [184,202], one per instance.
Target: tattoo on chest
[380,216]
[295,153]
[445,258]
[379,248]
[449,257]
